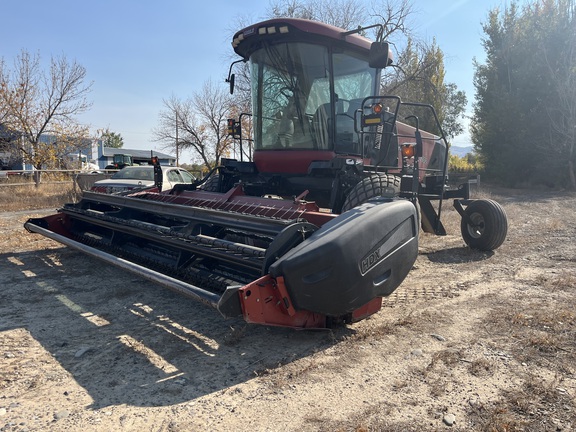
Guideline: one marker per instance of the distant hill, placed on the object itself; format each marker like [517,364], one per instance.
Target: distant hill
[461,151]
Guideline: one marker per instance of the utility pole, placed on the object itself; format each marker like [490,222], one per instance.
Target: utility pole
[176,113]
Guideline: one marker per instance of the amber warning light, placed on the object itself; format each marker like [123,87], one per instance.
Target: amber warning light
[375,118]
[408,150]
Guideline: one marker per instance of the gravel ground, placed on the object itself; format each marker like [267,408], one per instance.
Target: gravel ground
[470,341]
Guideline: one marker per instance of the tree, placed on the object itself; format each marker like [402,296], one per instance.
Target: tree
[170,130]
[198,123]
[346,14]
[9,147]
[41,107]
[419,77]
[349,14]
[112,139]
[523,120]
[562,71]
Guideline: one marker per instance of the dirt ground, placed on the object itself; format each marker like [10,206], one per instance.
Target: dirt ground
[470,341]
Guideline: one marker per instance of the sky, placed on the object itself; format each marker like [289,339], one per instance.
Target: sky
[139,52]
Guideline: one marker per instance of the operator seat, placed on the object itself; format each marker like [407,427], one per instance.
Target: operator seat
[346,140]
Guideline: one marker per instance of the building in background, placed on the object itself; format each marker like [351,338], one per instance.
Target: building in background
[104,156]
[92,155]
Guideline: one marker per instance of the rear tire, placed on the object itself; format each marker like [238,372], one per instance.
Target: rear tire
[377,185]
[490,225]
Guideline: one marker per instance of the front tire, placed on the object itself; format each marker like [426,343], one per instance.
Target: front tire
[211,184]
[486,225]
[376,185]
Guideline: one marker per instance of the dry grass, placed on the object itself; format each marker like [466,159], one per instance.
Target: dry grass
[449,357]
[539,335]
[563,281]
[535,405]
[372,418]
[497,418]
[19,197]
[481,367]
[422,321]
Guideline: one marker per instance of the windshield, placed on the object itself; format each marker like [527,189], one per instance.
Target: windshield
[135,173]
[300,104]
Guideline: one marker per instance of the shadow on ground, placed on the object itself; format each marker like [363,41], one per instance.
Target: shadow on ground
[458,255]
[127,341]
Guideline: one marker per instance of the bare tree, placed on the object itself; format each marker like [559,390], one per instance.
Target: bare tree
[36,104]
[290,9]
[170,129]
[394,15]
[198,123]
[346,14]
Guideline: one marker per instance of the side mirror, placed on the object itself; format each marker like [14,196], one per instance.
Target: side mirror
[380,55]
[231,81]
[231,76]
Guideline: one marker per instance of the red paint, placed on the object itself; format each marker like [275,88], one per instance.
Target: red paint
[368,309]
[289,161]
[264,303]
[235,201]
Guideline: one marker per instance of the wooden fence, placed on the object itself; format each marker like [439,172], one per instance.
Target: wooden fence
[81,179]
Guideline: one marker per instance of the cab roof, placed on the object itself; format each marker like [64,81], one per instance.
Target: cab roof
[279,30]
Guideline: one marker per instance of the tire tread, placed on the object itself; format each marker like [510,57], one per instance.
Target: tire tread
[495,221]
[371,187]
